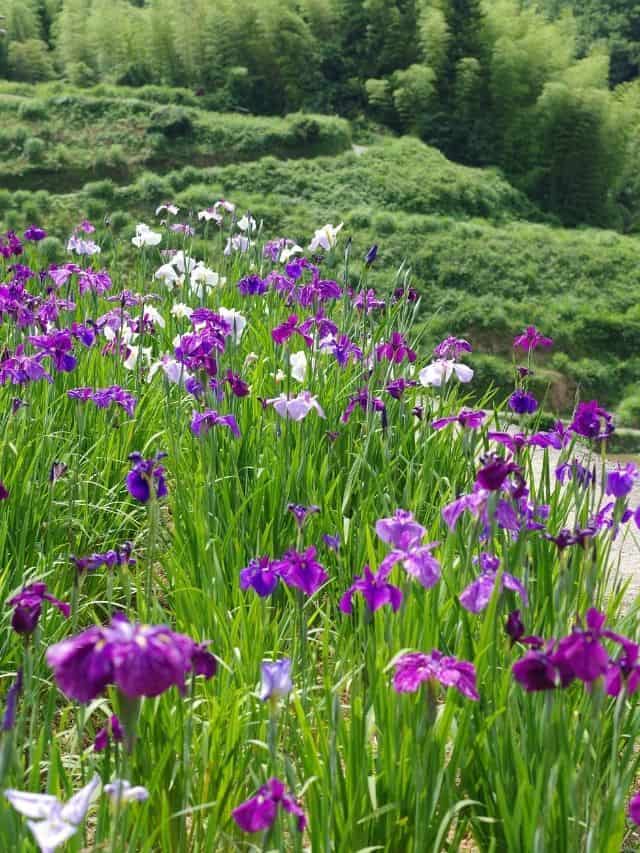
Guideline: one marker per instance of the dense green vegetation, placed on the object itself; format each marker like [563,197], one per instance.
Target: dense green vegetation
[519,85]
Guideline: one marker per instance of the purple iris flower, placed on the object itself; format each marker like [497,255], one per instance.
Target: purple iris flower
[395,350]
[260,574]
[583,650]
[115,395]
[621,481]
[477,595]
[276,679]
[140,660]
[495,470]
[57,471]
[375,589]
[452,348]
[27,607]
[366,401]
[146,478]
[113,729]
[300,512]
[120,556]
[4,492]
[397,387]
[414,668]
[259,812]
[291,326]
[542,669]
[11,704]
[206,420]
[58,345]
[467,418]
[514,626]
[513,441]
[634,809]
[522,402]
[301,570]
[576,472]
[401,530]
[239,387]
[368,301]
[408,293]
[10,245]
[34,234]
[531,339]
[590,420]
[371,255]
[97,281]
[342,349]
[332,542]
[624,671]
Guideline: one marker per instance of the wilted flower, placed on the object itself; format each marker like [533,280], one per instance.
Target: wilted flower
[414,668]
[258,813]
[11,704]
[146,478]
[276,679]
[141,660]
[52,822]
[374,588]
[27,606]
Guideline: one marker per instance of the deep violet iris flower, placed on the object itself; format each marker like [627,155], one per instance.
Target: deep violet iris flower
[140,660]
[259,812]
[27,607]
[146,478]
[375,589]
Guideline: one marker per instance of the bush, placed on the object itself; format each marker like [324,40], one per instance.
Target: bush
[32,110]
[172,122]
[629,411]
[34,149]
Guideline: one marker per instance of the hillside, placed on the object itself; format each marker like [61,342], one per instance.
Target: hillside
[485,260]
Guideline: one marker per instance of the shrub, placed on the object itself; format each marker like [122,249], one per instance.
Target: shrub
[34,149]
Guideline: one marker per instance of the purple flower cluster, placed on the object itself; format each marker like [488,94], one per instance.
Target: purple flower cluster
[412,669]
[581,655]
[298,569]
[120,556]
[140,660]
[114,395]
